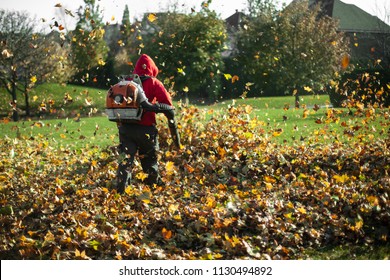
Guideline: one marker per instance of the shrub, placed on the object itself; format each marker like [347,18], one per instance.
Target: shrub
[364,86]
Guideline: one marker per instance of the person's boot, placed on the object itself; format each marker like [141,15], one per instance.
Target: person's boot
[123,179]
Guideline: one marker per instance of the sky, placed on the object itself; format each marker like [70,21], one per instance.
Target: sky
[113,9]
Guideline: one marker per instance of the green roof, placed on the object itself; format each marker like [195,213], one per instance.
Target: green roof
[354,19]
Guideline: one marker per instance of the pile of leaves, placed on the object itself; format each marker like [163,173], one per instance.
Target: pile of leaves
[230,192]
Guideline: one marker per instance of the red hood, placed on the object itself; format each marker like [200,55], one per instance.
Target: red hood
[146,66]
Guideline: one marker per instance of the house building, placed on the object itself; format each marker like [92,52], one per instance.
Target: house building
[369,36]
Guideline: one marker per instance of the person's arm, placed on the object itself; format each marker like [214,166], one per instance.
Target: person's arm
[164,100]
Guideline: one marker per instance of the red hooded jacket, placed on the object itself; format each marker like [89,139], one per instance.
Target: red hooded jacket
[154,89]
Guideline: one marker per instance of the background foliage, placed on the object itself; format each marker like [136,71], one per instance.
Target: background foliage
[283,52]
[189,51]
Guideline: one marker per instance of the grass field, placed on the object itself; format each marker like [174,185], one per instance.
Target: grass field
[74,115]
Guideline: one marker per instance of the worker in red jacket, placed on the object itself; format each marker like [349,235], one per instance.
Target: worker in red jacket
[143,136]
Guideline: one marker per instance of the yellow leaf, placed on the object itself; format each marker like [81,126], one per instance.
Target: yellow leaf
[360,105]
[77,253]
[177,217]
[187,194]
[269,179]
[39,124]
[141,176]
[303,176]
[181,71]
[210,202]
[373,200]
[81,232]
[227,76]
[358,225]
[152,17]
[308,89]
[314,233]
[173,208]
[112,18]
[268,186]
[129,190]
[101,62]
[186,89]
[33,79]
[277,133]
[221,152]
[290,205]
[81,255]
[341,179]
[301,210]
[235,241]
[169,167]
[288,215]
[305,113]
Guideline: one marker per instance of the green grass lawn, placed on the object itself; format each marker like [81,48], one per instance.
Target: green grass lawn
[76,132]
[59,101]
[315,120]
[72,116]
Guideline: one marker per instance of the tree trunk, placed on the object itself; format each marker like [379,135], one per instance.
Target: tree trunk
[297,105]
[26,100]
[15,114]
[186,99]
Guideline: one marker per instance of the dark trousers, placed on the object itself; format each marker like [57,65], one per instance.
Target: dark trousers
[133,138]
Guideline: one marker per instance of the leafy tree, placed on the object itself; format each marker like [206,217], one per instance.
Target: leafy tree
[310,48]
[25,57]
[256,45]
[57,58]
[261,7]
[88,46]
[126,26]
[125,45]
[290,51]
[188,49]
